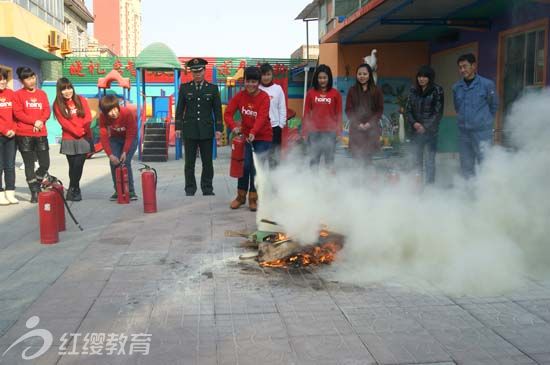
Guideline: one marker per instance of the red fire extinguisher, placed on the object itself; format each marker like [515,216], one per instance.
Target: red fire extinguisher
[47,206]
[236,169]
[60,207]
[149,188]
[122,187]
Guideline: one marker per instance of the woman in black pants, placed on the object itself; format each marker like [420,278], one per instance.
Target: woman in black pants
[31,110]
[73,113]
[7,142]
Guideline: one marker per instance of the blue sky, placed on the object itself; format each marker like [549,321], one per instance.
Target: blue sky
[250,28]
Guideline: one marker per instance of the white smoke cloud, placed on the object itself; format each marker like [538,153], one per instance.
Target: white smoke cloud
[480,237]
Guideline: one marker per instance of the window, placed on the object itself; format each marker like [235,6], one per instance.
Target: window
[525,52]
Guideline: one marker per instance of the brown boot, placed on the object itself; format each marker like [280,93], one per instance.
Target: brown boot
[239,200]
[253,201]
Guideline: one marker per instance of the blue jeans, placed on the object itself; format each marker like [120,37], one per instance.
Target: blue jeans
[421,141]
[246,182]
[117,145]
[472,146]
[7,162]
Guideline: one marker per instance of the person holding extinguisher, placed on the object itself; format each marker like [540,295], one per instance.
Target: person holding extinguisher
[73,113]
[31,109]
[253,105]
[7,142]
[118,135]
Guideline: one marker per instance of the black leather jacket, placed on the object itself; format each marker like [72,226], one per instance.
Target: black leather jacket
[426,107]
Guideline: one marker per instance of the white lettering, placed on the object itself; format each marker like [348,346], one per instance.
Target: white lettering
[323,100]
[33,104]
[249,112]
[5,104]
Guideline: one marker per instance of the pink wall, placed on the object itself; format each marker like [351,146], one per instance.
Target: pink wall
[107,23]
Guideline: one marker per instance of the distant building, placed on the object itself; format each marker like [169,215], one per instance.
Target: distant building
[77,17]
[301,53]
[118,25]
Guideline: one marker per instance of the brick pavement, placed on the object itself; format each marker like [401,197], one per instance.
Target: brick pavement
[175,276]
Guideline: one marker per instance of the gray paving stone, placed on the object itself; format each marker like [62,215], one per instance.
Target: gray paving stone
[14,355]
[531,339]
[414,346]
[506,314]
[443,317]
[473,344]
[541,308]
[331,350]
[253,351]
[252,327]
[56,325]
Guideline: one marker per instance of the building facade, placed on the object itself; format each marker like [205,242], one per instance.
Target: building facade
[302,52]
[31,34]
[118,26]
[76,20]
[509,37]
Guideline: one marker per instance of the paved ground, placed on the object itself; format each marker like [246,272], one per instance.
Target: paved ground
[175,276]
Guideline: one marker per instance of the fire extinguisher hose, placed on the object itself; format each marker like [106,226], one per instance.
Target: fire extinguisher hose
[69,210]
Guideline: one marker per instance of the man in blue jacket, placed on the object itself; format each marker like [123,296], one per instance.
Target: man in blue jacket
[476,105]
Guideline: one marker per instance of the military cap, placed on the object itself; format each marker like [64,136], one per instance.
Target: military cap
[197,64]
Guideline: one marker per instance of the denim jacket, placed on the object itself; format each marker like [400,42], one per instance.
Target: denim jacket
[476,105]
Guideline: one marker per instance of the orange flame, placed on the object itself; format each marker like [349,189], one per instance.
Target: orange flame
[313,255]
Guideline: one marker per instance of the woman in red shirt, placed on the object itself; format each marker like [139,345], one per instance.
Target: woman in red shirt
[322,121]
[364,108]
[31,109]
[73,113]
[7,141]
[118,135]
[253,105]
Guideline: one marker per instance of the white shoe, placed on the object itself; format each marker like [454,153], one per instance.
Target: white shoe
[10,196]
[3,200]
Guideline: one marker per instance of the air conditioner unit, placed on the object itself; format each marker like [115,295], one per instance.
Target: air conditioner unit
[66,47]
[54,40]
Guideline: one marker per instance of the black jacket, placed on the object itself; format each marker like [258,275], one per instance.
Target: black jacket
[426,107]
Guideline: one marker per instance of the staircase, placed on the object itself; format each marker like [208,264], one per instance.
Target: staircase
[155,143]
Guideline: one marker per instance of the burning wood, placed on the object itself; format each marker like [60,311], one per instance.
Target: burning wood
[309,255]
[280,251]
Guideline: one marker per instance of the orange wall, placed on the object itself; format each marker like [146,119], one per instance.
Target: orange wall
[394,59]
[107,23]
[297,105]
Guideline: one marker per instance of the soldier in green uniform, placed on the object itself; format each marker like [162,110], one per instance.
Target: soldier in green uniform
[198,120]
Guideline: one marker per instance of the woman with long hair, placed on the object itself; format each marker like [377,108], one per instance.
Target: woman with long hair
[7,141]
[322,121]
[31,109]
[72,112]
[364,108]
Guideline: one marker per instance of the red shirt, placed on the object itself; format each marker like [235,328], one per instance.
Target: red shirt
[254,114]
[6,111]
[28,108]
[75,127]
[322,112]
[125,126]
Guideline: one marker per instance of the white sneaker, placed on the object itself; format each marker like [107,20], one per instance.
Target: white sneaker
[3,200]
[10,196]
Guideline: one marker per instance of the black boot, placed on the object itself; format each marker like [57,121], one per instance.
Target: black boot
[35,189]
[70,194]
[77,195]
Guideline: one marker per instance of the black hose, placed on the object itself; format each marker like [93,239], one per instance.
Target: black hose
[68,208]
